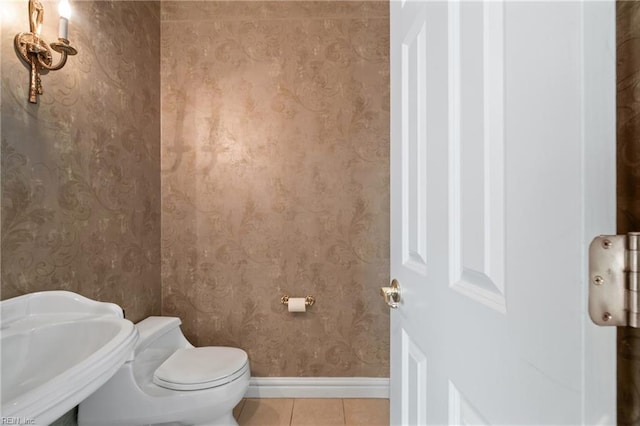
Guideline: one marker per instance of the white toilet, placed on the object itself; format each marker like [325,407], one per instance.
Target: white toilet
[170,382]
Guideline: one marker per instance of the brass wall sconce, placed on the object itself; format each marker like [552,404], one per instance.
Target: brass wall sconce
[35,52]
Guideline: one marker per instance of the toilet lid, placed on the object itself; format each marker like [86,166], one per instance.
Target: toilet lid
[201,368]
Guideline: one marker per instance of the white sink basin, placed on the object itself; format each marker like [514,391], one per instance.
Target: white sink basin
[57,348]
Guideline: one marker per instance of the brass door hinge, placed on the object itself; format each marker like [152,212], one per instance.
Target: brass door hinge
[613,280]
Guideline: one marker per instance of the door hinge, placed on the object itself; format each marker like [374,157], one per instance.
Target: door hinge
[613,280]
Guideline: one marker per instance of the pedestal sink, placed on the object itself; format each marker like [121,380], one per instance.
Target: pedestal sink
[57,348]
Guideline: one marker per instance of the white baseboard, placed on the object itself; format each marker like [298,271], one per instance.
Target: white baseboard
[318,387]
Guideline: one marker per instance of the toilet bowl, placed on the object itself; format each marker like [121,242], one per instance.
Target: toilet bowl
[169,382]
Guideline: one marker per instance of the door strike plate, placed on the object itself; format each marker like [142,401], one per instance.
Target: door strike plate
[613,280]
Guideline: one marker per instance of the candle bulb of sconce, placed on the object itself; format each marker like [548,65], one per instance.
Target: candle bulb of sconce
[64,9]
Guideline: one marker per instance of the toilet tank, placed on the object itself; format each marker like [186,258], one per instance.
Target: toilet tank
[159,338]
[160,333]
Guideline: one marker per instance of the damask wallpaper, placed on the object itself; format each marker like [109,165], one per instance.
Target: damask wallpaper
[275,180]
[628,149]
[80,170]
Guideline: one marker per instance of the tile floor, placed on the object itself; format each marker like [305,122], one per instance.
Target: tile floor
[312,412]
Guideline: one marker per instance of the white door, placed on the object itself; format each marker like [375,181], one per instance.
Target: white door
[503,169]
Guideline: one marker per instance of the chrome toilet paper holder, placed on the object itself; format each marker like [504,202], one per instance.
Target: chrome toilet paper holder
[308,301]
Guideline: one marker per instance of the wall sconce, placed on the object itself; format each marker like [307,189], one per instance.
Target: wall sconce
[35,52]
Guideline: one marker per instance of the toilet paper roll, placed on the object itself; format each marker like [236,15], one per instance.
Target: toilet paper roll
[297,304]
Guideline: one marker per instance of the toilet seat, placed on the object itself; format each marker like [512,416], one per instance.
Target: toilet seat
[201,368]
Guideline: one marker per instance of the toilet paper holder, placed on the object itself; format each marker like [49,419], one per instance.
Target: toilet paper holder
[308,301]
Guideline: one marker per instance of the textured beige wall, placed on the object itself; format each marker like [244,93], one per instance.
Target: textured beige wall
[80,170]
[628,117]
[275,180]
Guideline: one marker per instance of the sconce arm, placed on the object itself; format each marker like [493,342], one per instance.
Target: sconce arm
[64,49]
[35,53]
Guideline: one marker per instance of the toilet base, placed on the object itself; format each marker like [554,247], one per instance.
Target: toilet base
[226,420]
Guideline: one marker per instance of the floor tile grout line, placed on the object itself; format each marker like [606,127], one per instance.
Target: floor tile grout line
[293,406]
[344,413]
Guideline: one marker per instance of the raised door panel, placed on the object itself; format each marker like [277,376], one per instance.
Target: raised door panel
[476,141]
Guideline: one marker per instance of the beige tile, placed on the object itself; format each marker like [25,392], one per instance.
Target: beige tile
[317,412]
[369,412]
[266,412]
[238,409]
